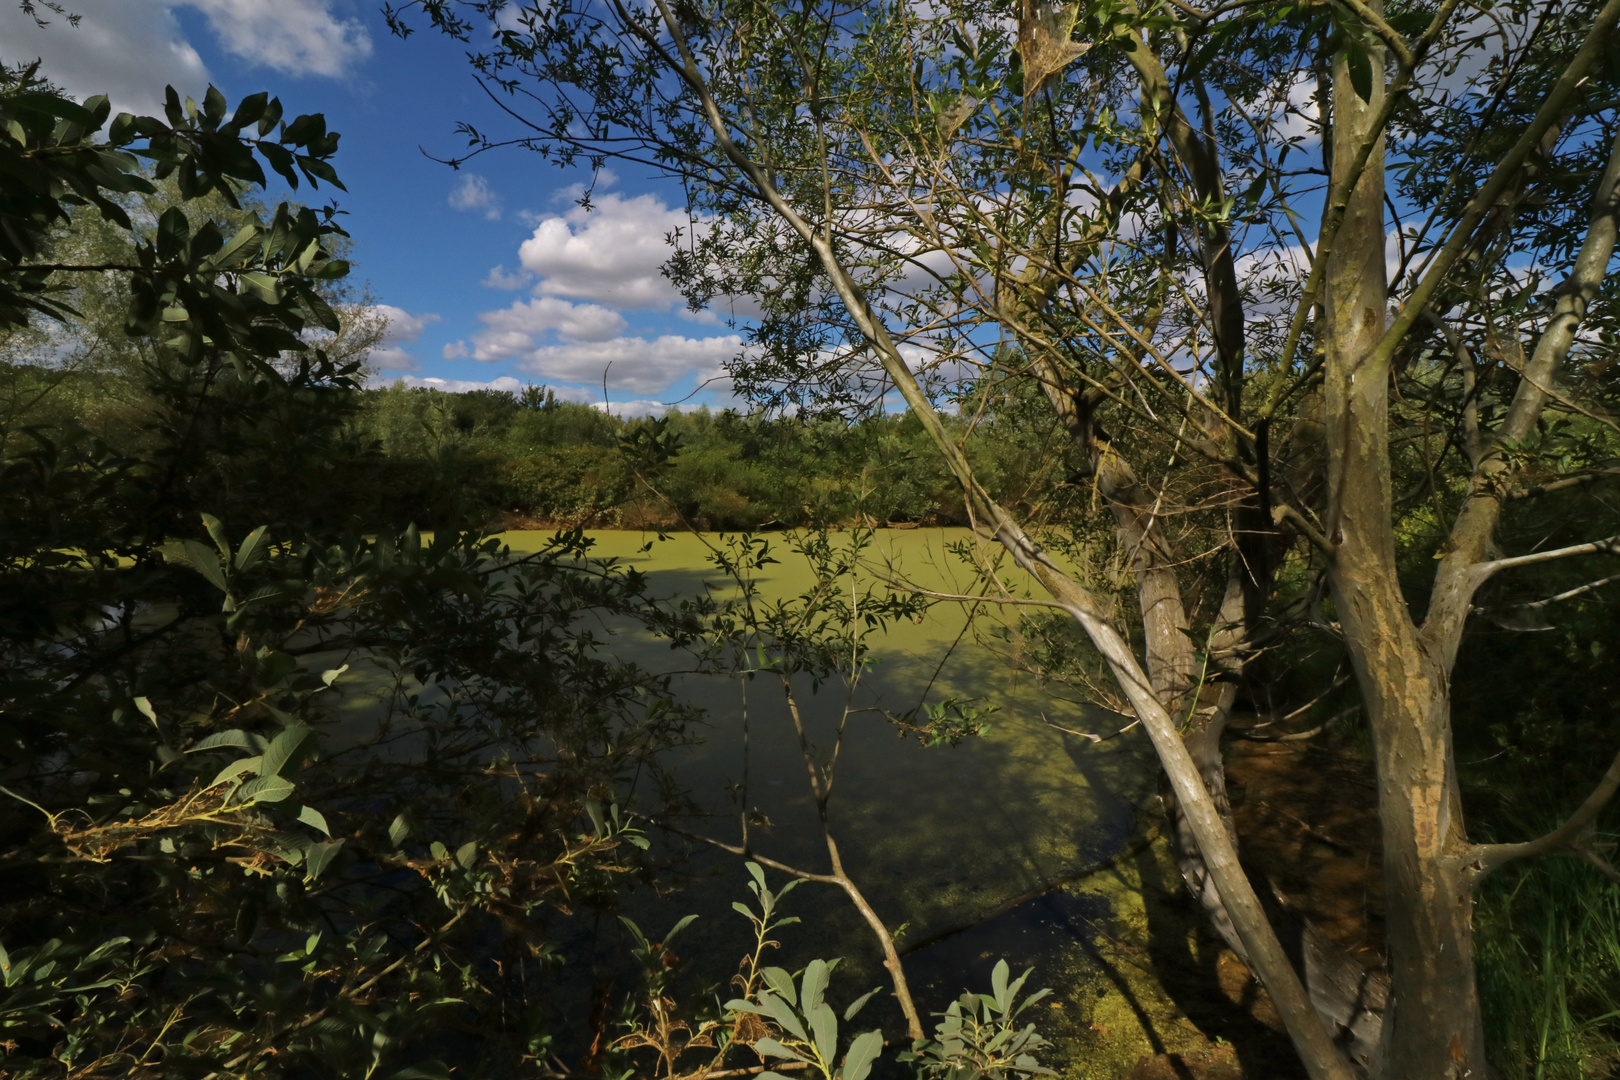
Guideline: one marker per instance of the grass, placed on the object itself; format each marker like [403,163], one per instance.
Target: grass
[1549,971]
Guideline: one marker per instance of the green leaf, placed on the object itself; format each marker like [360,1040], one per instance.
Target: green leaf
[862,1052]
[237,247]
[172,233]
[777,1050]
[314,818]
[427,1070]
[320,856]
[262,286]
[235,769]
[998,985]
[234,737]
[217,531]
[399,830]
[249,111]
[271,117]
[860,1002]
[782,1013]
[812,986]
[248,555]
[781,982]
[315,167]
[279,157]
[824,1026]
[467,854]
[145,706]
[286,749]
[678,927]
[266,789]
[635,931]
[105,948]
[171,108]
[214,104]
[1360,67]
[98,107]
[197,556]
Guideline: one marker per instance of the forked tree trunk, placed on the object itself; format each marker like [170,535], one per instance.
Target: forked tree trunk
[1348,996]
[1432,1027]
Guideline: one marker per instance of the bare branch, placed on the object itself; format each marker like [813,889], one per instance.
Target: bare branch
[1608,546]
[1461,570]
[839,878]
[1339,199]
[1603,865]
[1578,480]
[1568,594]
[1282,512]
[1294,736]
[1567,837]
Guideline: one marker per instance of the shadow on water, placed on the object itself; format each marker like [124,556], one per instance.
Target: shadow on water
[1032,935]
[1221,1000]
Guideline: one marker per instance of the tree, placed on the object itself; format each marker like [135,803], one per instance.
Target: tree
[212,863]
[1110,201]
[203,871]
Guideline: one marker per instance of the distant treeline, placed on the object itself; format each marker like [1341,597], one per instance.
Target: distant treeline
[530,460]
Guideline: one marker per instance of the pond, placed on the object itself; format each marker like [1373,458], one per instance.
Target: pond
[1028,842]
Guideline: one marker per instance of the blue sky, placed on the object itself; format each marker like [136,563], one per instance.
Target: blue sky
[491,275]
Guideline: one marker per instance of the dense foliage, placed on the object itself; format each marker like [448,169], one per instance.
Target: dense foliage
[489,456]
[207,869]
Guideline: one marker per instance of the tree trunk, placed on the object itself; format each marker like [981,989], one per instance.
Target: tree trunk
[1432,1027]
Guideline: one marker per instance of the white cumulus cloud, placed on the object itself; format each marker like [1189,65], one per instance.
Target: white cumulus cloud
[632,408]
[403,328]
[610,254]
[130,49]
[298,37]
[511,331]
[474,193]
[499,279]
[638,366]
[126,49]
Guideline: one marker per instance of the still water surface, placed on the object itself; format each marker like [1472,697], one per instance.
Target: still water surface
[938,838]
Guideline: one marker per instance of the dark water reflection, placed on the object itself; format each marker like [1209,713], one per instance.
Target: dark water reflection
[937,838]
